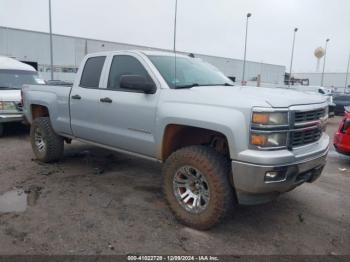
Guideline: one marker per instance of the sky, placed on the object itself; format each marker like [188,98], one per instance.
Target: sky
[214,27]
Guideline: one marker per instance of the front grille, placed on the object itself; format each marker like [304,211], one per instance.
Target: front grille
[308,116]
[307,127]
[304,137]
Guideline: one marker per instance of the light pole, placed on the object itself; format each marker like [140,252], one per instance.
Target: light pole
[174,46]
[347,75]
[292,56]
[51,51]
[324,61]
[175,25]
[245,48]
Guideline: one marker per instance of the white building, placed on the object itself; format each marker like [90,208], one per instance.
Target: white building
[335,80]
[33,47]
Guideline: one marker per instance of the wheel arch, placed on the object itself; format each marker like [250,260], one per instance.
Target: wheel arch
[176,136]
[38,110]
[227,122]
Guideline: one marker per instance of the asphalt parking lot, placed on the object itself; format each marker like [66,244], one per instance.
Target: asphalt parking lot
[99,202]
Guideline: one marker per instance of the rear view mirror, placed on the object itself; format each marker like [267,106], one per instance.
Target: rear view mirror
[137,83]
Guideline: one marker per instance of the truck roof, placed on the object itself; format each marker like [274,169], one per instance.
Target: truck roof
[8,63]
[161,53]
[144,52]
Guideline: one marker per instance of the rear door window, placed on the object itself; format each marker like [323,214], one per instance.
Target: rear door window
[91,75]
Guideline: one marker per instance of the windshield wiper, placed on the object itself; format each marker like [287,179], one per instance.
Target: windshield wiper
[196,84]
[186,86]
[224,84]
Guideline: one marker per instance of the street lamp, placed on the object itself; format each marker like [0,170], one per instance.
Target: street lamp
[51,51]
[292,56]
[347,75]
[324,61]
[175,25]
[245,48]
[174,46]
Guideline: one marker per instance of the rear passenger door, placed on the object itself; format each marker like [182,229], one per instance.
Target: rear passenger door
[127,118]
[85,100]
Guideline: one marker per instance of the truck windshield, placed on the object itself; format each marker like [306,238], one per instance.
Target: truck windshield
[190,72]
[15,79]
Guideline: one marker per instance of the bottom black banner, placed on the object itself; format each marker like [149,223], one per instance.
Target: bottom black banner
[174,258]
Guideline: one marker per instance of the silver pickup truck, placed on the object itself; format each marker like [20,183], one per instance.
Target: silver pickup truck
[221,145]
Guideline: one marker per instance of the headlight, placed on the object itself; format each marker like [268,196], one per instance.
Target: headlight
[272,140]
[7,106]
[272,118]
[269,129]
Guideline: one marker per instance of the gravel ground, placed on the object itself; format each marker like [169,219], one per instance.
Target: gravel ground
[99,202]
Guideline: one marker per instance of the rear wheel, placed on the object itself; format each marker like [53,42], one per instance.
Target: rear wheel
[47,145]
[1,130]
[197,187]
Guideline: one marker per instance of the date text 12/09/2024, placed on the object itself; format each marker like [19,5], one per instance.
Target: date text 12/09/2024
[173,258]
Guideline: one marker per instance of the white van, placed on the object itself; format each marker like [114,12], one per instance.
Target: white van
[13,75]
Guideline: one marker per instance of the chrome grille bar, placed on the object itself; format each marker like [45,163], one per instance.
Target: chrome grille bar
[307,127]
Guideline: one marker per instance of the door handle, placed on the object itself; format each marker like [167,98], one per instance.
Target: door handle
[76,97]
[106,100]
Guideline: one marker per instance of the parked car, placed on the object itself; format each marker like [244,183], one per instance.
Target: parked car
[326,92]
[341,101]
[342,136]
[221,145]
[13,74]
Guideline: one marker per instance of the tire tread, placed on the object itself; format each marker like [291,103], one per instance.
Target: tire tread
[54,142]
[213,163]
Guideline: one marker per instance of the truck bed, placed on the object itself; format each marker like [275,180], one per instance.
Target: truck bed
[55,98]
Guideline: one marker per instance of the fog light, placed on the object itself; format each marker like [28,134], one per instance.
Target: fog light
[271,174]
[275,176]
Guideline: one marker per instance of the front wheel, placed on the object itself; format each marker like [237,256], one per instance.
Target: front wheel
[46,144]
[197,187]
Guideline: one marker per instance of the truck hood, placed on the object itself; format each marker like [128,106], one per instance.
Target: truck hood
[10,95]
[248,96]
[279,97]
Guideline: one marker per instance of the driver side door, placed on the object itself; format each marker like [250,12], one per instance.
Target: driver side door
[127,117]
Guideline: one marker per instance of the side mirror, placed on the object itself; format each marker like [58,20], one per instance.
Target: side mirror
[137,83]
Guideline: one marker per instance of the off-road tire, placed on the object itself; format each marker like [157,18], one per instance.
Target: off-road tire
[216,170]
[54,144]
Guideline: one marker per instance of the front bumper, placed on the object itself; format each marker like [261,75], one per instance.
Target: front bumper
[342,143]
[6,118]
[251,187]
